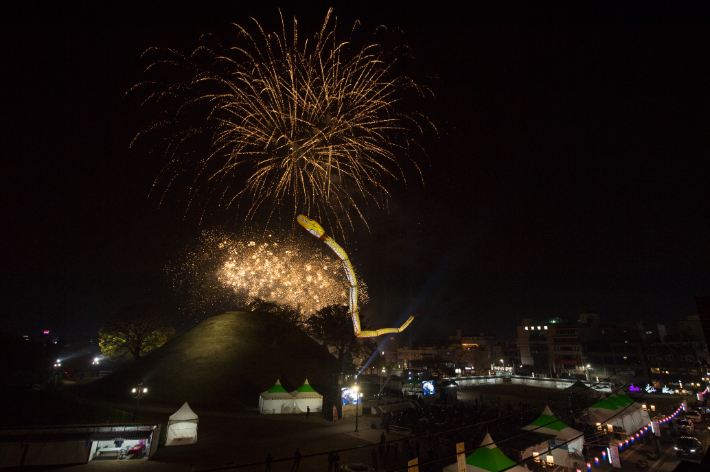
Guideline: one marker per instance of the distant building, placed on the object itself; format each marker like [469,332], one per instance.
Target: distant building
[647,354]
[553,348]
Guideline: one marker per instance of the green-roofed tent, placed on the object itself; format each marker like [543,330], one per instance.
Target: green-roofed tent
[306,397]
[621,411]
[569,439]
[487,458]
[275,400]
[581,390]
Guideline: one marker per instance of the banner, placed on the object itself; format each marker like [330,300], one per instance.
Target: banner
[614,454]
[335,415]
[461,456]
[656,428]
[413,465]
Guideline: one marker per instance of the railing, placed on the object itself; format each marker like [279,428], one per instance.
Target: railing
[471,381]
[394,429]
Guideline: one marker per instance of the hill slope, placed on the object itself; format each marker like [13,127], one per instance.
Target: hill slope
[225,362]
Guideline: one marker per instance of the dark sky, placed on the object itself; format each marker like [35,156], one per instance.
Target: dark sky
[570,173]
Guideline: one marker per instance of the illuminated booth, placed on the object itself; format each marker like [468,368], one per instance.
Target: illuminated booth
[182,427]
[64,445]
[566,442]
[305,397]
[487,458]
[275,400]
[621,412]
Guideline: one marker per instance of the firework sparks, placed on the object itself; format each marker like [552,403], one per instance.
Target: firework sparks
[314,126]
[226,272]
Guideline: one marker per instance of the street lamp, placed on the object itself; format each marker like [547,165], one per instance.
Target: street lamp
[357,404]
[138,391]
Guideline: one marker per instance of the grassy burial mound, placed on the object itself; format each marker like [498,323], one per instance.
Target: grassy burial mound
[224,362]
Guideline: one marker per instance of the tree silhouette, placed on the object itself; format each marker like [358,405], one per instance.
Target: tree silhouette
[134,332]
[332,325]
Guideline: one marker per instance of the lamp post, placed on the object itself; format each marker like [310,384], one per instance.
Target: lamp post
[138,391]
[357,404]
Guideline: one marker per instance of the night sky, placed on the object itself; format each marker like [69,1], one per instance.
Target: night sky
[570,172]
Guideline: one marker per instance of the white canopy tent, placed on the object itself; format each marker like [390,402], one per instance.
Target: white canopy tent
[306,397]
[182,427]
[275,400]
[620,411]
[567,440]
[487,458]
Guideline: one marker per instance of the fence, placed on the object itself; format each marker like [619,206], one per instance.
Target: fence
[478,380]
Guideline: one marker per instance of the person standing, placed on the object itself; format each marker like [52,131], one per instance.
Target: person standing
[331,460]
[296,459]
[337,462]
[308,411]
[268,461]
[374,458]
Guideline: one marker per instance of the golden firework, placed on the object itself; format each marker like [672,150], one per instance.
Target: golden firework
[226,272]
[314,126]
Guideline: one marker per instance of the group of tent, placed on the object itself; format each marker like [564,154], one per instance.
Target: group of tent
[563,441]
[277,400]
[560,442]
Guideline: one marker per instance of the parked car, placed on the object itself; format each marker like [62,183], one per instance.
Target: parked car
[694,416]
[688,446]
[136,450]
[685,426]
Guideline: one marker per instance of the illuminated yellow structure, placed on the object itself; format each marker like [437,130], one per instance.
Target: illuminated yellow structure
[317,230]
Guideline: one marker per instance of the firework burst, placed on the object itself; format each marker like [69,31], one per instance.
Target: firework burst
[226,273]
[286,125]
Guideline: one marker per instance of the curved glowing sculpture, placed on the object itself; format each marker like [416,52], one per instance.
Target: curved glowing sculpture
[317,230]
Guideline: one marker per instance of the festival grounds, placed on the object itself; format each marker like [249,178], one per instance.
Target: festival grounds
[231,441]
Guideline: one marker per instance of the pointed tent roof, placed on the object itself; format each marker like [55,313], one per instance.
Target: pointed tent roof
[276,392]
[489,457]
[277,388]
[547,421]
[185,413]
[605,404]
[306,391]
[306,387]
[579,384]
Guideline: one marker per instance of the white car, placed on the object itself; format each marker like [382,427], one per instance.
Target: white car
[685,426]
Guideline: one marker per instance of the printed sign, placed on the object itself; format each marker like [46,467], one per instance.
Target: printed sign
[413,465]
[614,455]
[461,456]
